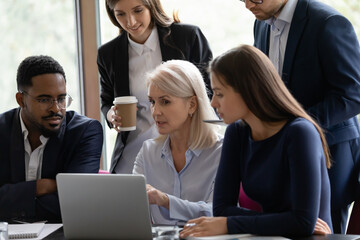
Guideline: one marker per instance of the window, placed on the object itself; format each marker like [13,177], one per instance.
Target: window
[37,27]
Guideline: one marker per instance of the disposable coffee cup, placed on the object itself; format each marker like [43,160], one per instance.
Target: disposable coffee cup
[126,109]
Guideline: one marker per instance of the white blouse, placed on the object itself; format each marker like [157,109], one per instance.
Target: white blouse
[142,58]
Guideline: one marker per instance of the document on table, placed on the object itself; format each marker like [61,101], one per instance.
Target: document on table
[27,230]
[47,230]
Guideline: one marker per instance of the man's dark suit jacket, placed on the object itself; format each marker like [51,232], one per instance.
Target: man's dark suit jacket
[76,149]
[322,70]
[185,42]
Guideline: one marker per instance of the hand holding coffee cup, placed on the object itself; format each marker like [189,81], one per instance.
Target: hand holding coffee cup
[114,119]
[123,113]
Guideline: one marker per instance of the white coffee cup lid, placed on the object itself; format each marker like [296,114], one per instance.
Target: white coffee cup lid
[124,100]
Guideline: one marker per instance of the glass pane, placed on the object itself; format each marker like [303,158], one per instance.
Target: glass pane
[36,27]
[225,24]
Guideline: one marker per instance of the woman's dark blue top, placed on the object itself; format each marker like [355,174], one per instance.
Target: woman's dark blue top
[285,173]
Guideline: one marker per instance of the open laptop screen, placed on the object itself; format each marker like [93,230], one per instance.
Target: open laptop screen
[104,206]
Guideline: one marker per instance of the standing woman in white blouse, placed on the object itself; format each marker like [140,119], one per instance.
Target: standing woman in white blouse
[180,165]
[147,37]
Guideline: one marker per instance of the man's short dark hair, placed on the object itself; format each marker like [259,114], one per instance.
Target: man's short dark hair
[36,65]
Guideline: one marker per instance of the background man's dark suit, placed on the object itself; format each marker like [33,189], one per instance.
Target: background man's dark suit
[186,42]
[322,70]
[77,148]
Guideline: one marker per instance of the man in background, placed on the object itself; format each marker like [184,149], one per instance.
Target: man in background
[40,139]
[316,51]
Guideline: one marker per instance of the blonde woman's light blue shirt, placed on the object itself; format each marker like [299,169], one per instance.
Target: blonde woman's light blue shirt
[190,191]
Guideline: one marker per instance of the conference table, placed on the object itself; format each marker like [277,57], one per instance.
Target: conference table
[59,235]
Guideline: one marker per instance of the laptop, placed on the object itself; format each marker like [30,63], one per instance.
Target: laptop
[104,206]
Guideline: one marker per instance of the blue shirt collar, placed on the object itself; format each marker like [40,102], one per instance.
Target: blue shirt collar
[166,151]
[286,13]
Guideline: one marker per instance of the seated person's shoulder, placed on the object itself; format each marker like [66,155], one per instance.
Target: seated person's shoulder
[216,148]
[237,127]
[75,120]
[301,127]
[219,140]
[152,144]
[6,117]
[7,122]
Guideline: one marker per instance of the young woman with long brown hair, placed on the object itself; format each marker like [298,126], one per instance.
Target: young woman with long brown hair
[272,146]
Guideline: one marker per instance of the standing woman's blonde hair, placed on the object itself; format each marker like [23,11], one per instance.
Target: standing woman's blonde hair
[183,79]
[251,74]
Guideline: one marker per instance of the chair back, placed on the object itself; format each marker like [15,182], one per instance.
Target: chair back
[246,202]
[354,221]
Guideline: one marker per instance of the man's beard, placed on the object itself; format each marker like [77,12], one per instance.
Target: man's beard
[48,132]
[51,132]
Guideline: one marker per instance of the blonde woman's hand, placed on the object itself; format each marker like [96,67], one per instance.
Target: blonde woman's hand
[157,197]
[321,228]
[114,119]
[205,226]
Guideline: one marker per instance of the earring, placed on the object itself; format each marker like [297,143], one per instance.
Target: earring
[191,115]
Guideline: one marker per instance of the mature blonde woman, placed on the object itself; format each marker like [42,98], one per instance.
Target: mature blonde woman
[180,165]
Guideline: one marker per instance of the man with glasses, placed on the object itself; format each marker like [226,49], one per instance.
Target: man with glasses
[40,139]
[316,51]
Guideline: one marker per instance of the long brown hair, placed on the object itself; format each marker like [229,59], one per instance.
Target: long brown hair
[251,74]
[158,15]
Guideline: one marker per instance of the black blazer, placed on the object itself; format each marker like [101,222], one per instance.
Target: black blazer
[76,149]
[185,42]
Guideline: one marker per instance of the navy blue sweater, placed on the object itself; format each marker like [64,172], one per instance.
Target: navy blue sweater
[285,173]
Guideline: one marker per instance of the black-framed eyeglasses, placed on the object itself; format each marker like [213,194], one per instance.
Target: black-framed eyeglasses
[47,102]
[254,1]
